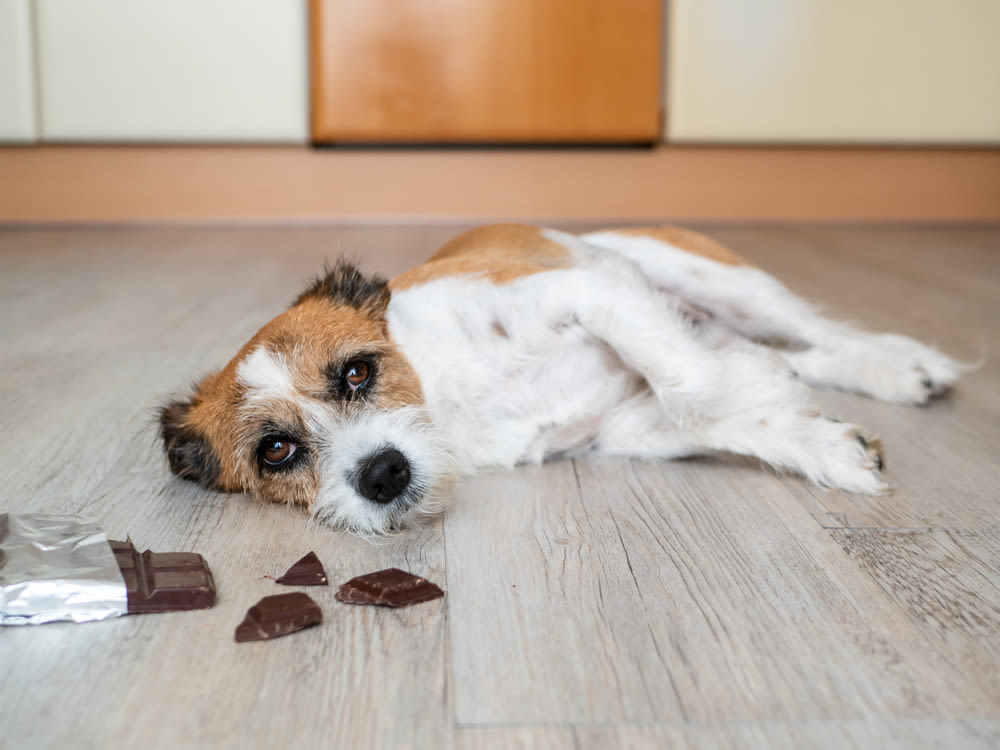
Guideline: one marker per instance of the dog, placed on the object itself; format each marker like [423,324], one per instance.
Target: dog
[367,399]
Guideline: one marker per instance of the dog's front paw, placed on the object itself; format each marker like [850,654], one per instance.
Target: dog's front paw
[850,458]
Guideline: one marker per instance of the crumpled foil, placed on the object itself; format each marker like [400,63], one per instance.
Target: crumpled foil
[57,568]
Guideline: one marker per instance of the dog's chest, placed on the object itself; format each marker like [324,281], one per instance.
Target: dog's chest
[503,385]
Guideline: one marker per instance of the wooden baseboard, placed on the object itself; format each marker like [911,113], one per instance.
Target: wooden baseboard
[279,184]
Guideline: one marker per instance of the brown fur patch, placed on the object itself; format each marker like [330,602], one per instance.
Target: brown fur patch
[308,337]
[204,416]
[506,252]
[499,252]
[685,239]
[317,331]
[507,241]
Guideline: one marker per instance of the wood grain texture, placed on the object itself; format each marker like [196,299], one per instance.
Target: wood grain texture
[946,581]
[894,734]
[494,70]
[693,604]
[691,593]
[859,734]
[519,738]
[260,185]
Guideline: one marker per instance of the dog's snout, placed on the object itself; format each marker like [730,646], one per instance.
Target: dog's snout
[383,476]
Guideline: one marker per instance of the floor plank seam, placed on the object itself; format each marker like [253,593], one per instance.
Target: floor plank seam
[451,704]
[925,529]
[719,723]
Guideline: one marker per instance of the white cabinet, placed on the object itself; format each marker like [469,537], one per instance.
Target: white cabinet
[17,100]
[834,71]
[173,70]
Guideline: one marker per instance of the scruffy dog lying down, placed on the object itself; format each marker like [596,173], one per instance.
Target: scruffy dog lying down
[366,400]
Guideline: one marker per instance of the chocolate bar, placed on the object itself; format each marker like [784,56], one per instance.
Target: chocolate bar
[306,572]
[390,588]
[164,581]
[275,616]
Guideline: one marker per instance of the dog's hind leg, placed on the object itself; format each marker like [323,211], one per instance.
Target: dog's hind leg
[827,452]
[734,396]
[756,305]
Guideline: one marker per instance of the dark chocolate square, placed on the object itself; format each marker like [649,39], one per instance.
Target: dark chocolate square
[306,572]
[391,587]
[275,616]
[164,581]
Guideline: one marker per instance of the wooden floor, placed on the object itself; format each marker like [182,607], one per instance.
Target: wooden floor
[703,603]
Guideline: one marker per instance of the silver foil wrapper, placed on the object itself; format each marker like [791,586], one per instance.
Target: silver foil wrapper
[57,568]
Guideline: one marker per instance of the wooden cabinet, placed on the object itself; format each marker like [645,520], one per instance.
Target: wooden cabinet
[486,70]
[17,98]
[183,70]
[823,71]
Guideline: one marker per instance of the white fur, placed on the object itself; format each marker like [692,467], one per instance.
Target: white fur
[504,399]
[756,305]
[596,359]
[341,443]
[604,357]
[265,375]
[341,438]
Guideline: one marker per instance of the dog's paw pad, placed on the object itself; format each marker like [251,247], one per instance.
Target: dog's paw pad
[851,460]
[935,387]
[872,457]
[914,373]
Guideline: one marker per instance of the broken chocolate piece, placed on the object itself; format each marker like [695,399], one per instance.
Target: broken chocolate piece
[275,616]
[391,588]
[164,581]
[306,572]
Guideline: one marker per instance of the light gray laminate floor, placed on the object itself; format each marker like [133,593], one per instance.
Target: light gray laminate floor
[703,603]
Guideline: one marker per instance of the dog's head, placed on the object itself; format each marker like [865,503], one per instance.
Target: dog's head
[321,409]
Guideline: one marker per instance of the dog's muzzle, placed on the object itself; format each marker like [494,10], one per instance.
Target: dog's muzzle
[383,476]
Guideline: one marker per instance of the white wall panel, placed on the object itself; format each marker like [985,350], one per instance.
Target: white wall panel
[17,99]
[853,71]
[173,70]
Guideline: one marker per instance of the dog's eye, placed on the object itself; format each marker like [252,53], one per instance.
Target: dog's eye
[277,451]
[357,373]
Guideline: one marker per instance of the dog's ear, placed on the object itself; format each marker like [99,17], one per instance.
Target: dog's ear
[344,284]
[189,452]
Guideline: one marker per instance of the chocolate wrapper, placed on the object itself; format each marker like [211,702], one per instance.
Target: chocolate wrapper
[57,568]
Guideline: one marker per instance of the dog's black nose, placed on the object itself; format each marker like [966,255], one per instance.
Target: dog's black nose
[383,476]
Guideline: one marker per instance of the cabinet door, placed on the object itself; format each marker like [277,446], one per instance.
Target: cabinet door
[17,98]
[181,70]
[878,71]
[485,70]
